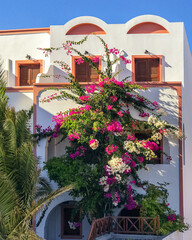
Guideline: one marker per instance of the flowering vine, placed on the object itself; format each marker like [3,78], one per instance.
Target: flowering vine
[105,154]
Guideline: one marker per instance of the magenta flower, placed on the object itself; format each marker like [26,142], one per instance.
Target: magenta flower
[113,98]
[111,149]
[140,159]
[115,126]
[108,195]
[101,84]
[171,217]
[88,107]
[131,138]
[84,98]
[72,137]
[151,145]
[120,114]
[110,107]
[133,164]
[91,89]
[95,59]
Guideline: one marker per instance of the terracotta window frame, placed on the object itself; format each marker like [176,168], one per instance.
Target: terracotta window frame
[19,63]
[74,65]
[63,206]
[160,145]
[160,57]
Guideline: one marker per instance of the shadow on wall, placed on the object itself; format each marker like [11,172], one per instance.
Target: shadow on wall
[54,74]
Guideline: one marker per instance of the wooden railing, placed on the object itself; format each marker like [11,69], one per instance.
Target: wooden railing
[124,225]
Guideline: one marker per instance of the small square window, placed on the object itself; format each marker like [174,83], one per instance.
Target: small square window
[26,72]
[147,69]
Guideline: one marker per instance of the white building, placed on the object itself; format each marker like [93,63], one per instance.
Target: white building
[144,39]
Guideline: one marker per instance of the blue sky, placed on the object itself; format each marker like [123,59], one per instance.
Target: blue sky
[43,13]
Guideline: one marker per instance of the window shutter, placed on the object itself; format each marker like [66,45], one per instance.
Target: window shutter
[154,69]
[35,69]
[141,71]
[81,72]
[24,75]
[93,74]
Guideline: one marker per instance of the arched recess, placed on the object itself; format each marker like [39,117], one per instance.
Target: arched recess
[84,29]
[55,147]
[147,28]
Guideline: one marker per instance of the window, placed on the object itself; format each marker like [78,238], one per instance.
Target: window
[146,135]
[26,72]
[147,69]
[67,231]
[84,72]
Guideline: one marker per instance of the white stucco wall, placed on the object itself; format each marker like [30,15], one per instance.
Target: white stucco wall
[168,45]
[16,47]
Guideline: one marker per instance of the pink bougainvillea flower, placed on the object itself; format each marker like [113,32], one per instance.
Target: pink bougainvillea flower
[125,60]
[133,164]
[84,98]
[55,135]
[131,137]
[79,61]
[110,107]
[101,84]
[120,84]
[151,145]
[120,114]
[171,217]
[155,104]
[88,107]
[141,159]
[113,98]
[72,137]
[110,149]
[107,195]
[144,114]
[91,89]
[95,59]
[126,158]
[114,126]
[114,51]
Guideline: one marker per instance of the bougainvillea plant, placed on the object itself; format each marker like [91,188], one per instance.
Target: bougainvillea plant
[105,153]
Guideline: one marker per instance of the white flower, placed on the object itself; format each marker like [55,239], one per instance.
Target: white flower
[71,225]
[106,188]
[118,177]
[103,180]
[157,136]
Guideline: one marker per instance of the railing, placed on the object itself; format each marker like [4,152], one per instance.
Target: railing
[124,225]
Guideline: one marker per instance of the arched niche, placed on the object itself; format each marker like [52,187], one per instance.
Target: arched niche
[55,147]
[85,29]
[147,28]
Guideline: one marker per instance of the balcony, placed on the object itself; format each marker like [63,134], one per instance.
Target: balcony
[124,225]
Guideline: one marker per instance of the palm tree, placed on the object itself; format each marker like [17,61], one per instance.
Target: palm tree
[19,175]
